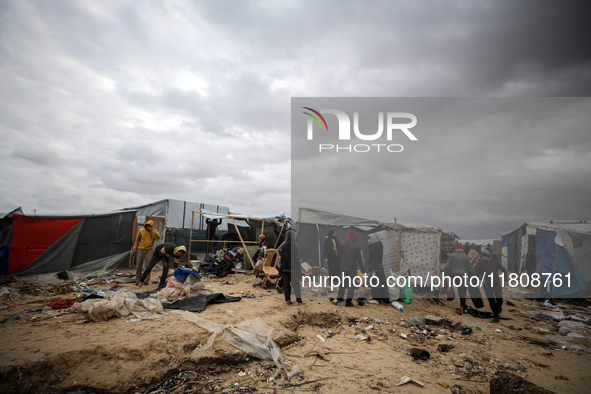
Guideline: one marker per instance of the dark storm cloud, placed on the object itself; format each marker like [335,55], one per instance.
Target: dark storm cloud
[479,168]
[128,102]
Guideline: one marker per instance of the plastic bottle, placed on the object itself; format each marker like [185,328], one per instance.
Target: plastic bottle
[397,305]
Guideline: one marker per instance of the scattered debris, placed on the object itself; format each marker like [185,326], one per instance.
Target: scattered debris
[406,379]
[420,354]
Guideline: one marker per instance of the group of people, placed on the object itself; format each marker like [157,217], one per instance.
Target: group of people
[482,264]
[168,254]
[344,259]
[341,259]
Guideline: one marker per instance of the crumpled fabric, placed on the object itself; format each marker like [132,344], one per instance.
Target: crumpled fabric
[61,304]
[120,304]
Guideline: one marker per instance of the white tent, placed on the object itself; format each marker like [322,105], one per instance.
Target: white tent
[178,214]
[556,247]
[406,245]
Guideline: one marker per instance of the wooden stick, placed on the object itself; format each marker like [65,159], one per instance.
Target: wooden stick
[242,241]
[191,235]
[308,382]
[279,236]
[399,246]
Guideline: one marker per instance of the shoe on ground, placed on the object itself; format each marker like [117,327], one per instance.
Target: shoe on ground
[288,302]
[496,320]
[349,304]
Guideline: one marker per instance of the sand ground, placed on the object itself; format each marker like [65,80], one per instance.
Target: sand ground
[69,353]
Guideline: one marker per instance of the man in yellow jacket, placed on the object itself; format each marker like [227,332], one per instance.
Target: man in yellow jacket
[144,241]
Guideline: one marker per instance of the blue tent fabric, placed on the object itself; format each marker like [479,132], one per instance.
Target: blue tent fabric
[564,264]
[505,240]
[545,249]
[182,273]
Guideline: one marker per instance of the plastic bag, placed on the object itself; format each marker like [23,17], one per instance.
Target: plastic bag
[254,337]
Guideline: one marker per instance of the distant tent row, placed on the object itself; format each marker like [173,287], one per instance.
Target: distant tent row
[407,246]
[551,247]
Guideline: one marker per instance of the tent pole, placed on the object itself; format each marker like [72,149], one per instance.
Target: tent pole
[279,236]
[399,246]
[191,235]
[243,244]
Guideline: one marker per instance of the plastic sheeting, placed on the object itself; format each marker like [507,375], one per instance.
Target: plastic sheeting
[176,289]
[253,337]
[83,243]
[562,247]
[199,303]
[178,213]
[32,237]
[421,252]
[120,304]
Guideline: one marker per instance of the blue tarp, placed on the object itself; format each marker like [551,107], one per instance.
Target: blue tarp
[573,285]
[182,273]
[545,249]
[567,280]
[505,240]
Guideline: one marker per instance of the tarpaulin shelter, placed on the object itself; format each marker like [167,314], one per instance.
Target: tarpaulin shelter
[407,245]
[174,218]
[549,248]
[178,214]
[55,243]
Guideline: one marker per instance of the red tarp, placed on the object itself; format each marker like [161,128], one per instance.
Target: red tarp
[31,236]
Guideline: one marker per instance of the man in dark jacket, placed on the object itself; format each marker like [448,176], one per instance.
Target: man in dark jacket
[330,252]
[350,261]
[291,270]
[163,253]
[490,267]
[459,265]
[212,226]
[379,290]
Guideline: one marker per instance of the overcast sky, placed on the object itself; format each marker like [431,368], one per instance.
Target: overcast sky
[111,104]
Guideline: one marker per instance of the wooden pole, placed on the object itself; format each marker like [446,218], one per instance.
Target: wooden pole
[243,244]
[207,235]
[279,236]
[399,246]
[191,235]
